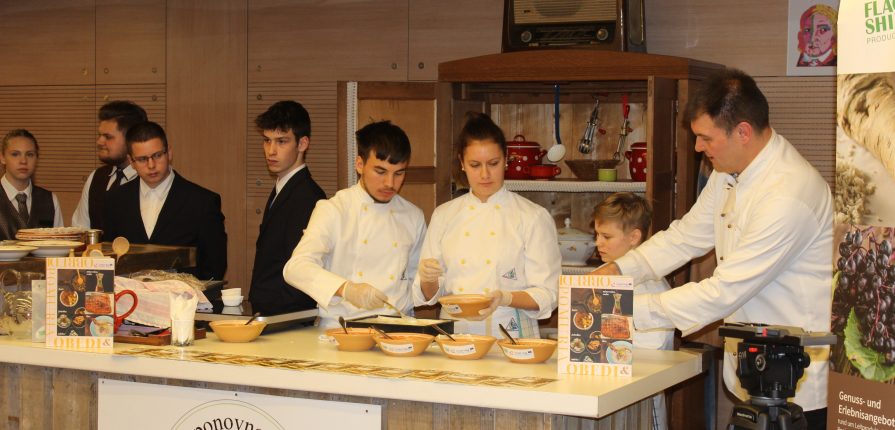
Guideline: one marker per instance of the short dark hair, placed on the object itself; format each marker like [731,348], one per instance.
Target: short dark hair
[20,132]
[125,113]
[729,97]
[144,132]
[628,209]
[284,116]
[479,126]
[386,140]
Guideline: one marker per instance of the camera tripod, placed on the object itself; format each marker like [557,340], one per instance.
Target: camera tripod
[763,413]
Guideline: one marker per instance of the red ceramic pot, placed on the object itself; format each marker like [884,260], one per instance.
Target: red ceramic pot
[544,171]
[521,155]
[120,318]
[637,161]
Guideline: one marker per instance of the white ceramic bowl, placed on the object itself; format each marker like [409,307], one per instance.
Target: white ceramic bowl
[231,300]
[575,246]
[14,252]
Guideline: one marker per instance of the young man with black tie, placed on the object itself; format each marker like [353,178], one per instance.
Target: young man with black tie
[115,118]
[286,133]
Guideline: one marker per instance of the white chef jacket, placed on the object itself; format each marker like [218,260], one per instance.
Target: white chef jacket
[659,337]
[350,237]
[507,242]
[771,228]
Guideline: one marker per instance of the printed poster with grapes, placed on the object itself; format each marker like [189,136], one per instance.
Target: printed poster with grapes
[80,303]
[596,325]
[861,391]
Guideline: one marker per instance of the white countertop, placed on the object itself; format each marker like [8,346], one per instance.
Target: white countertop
[593,396]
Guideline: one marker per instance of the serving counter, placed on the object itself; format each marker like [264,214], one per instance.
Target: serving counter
[138,257]
[53,387]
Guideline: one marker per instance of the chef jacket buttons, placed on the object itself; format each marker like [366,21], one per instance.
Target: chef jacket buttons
[463,261]
[471,207]
[487,262]
[365,241]
[729,225]
[361,274]
[391,277]
[466,233]
[394,244]
[722,258]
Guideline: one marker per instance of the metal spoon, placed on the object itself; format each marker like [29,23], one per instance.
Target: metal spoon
[343,324]
[440,330]
[384,334]
[258,314]
[507,334]
[120,246]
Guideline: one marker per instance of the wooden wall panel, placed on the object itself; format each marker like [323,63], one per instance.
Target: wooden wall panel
[130,41]
[447,30]
[803,110]
[327,40]
[206,108]
[62,118]
[47,42]
[415,117]
[319,98]
[750,35]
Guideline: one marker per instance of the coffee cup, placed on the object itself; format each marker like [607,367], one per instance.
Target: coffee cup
[544,171]
[120,318]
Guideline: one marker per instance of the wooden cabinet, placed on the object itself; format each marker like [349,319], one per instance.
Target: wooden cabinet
[130,41]
[517,90]
[450,30]
[47,43]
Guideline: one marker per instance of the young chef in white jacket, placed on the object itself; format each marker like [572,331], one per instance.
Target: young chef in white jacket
[491,241]
[361,247]
[768,215]
[622,222]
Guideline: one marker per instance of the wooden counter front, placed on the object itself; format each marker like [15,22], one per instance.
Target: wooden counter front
[54,386]
[139,257]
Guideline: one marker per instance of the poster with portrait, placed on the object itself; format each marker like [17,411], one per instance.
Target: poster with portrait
[80,303]
[811,42]
[596,325]
[861,391]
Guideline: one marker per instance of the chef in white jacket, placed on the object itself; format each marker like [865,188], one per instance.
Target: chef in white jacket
[491,241]
[361,247]
[768,215]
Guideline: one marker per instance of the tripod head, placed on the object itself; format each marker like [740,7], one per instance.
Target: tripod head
[772,359]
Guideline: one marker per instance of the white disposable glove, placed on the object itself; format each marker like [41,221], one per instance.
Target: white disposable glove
[498,298]
[429,270]
[364,296]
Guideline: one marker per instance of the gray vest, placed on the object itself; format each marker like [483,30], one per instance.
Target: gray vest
[42,213]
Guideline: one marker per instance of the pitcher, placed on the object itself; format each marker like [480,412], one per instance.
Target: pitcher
[15,312]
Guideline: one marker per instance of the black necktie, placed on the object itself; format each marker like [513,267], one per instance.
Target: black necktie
[22,199]
[119,179]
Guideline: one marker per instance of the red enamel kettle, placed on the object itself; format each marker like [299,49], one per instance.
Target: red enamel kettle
[637,161]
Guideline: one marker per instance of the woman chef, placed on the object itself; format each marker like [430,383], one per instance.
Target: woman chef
[490,241]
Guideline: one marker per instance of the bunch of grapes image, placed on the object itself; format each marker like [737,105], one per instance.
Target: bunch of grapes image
[865,283]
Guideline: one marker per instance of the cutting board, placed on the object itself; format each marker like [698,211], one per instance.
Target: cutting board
[161,339]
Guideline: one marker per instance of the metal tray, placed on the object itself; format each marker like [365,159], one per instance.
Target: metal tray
[422,325]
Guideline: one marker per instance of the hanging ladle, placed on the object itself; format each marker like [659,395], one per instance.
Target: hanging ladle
[557,151]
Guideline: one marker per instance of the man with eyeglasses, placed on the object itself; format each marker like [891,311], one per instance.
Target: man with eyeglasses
[163,208]
[115,118]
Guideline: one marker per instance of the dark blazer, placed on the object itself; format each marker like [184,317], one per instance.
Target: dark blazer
[281,228]
[191,216]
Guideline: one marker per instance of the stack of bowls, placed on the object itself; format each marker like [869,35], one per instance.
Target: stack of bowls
[231,296]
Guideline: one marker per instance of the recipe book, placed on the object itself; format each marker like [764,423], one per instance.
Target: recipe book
[596,325]
[80,303]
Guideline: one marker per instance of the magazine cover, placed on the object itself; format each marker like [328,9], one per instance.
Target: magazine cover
[596,325]
[80,303]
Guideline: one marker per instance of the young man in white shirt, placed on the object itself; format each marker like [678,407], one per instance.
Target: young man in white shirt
[361,247]
[163,208]
[115,118]
[767,213]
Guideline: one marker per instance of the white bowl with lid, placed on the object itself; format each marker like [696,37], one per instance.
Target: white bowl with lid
[575,245]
